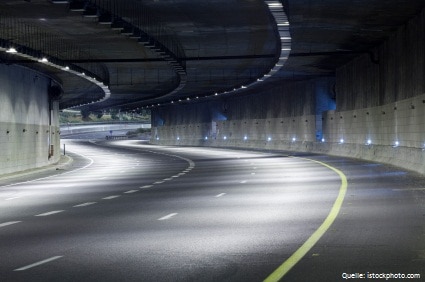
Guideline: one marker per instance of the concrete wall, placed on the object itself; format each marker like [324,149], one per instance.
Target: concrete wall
[28,127]
[285,113]
[378,114]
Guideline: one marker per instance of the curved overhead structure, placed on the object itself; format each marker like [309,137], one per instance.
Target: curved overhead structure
[169,51]
[151,53]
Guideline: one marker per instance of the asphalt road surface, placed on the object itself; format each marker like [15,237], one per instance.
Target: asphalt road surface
[127,211]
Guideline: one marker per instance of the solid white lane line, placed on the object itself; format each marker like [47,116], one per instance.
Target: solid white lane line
[38,263]
[110,197]
[146,186]
[130,191]
[50,213]
[158,182]
[220,195]
[84,204]
[168,216]
[8,223]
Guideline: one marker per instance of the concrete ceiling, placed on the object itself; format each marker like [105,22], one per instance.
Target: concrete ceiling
[222,44]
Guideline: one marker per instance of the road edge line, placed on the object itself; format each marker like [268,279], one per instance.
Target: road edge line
[287,265]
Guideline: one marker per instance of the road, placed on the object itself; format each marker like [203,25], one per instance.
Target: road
[127,211]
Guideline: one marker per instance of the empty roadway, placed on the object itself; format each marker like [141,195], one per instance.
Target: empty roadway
[124,210]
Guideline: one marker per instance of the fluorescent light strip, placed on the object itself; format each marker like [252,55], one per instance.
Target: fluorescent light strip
[45,61]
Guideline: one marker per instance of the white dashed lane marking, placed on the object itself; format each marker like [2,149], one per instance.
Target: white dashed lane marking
[50,213]
[110,197]
[8,223]
[146,186]
[130,191]
[13,198]
[158,182]
[243,182]
[38,263]
[169,216]
[220,195]
[84,204]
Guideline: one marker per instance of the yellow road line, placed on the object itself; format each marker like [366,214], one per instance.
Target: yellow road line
[306,247]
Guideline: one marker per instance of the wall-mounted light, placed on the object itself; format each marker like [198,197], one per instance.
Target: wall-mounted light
[245,137]
[225,137]
[11,50]
[341,141]
[396,144]
[323,140]
[269,139]
[178,138]
[294,139]
[368,142]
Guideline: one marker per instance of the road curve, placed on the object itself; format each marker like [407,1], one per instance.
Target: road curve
[133,212]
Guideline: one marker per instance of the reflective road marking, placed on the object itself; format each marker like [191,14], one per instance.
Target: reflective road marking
[13,198]
[50,213]
[130,191]
[220,195]
[167,216]
[84,205]
[8,223]
[110,197]
[302,251]
[38,263]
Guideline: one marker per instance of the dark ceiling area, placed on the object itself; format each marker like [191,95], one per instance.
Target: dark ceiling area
[156,52]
